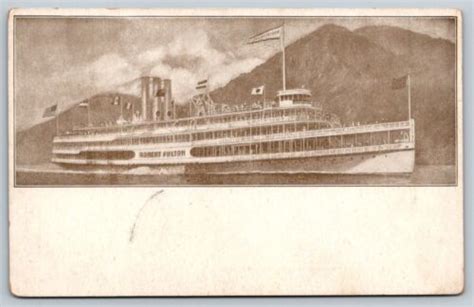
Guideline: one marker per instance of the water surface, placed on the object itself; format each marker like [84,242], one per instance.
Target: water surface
[52,175]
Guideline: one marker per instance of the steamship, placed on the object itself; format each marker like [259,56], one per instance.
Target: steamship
[290,134]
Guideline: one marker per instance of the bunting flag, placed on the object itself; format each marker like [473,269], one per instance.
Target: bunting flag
[225,108]
[116,101]
[399,83]
[197,103]
[201,85]
[272,34]
[50,111]
[258,90]
[84,104]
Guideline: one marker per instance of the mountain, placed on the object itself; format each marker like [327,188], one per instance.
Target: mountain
[348,72]
[432,65]
[34,144]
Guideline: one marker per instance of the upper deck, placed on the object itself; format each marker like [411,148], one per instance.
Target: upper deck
[206,122]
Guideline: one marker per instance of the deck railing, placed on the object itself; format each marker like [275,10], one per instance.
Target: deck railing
[234,125]
[353,130]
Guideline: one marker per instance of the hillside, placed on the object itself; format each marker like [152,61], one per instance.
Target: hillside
[348,72]
[34,145]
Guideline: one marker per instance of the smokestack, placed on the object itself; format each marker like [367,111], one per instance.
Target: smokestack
[157,100]
[144,81]
[150,101]
[169,112]
[155,112]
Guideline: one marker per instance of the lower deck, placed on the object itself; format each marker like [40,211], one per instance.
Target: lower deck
[373,162]
[381,162]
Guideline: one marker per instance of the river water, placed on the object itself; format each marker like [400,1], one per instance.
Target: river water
[52,175]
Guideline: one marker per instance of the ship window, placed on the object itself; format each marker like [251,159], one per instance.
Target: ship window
[107,155]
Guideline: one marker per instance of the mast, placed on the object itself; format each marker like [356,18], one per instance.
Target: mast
[88,113]
[282,43]
[121,108]
[409,97]
[58,113]
[57,124]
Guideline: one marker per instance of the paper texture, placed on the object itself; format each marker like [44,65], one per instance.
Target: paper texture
[185,152]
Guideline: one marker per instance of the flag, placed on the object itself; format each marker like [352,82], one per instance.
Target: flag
[225,108]
[50,111]
[84,104]
[197,103]
[201,85]
[258,90]
[399,83]
[160,93]
[116,101]
[271,34]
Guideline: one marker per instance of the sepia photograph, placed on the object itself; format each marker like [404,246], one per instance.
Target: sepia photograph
[229,100]
[235,152]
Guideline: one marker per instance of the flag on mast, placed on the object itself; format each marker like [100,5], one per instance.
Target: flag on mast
[399,83]
[403,82]
[201,85]
[258,90]
[50,111]
[272,34]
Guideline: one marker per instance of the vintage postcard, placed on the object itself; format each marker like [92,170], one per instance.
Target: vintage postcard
[201,152]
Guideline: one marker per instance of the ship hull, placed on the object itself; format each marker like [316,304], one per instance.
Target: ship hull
[383,162]
[387,148]
[390,162]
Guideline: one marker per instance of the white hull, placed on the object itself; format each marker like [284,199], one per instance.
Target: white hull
[390,162]
[383,162]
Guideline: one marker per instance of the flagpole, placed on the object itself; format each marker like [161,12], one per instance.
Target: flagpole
[121,108]
[174,109]
[282,42]
[409,97]
[88,113]
[57,119]
[57,122]
[133,112]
